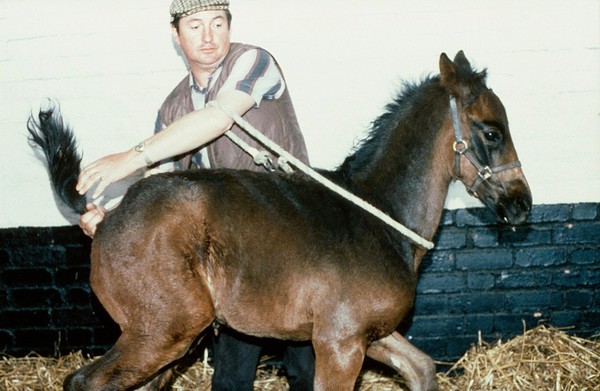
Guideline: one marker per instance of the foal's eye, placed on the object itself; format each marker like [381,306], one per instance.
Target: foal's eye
[492,135]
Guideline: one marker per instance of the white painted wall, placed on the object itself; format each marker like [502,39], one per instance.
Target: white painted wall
[111,64]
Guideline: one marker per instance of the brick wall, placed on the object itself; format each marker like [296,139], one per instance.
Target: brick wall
[480,277]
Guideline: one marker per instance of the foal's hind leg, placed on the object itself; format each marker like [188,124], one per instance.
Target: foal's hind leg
[132,362]
[417,368]
[161,313]
[338,363]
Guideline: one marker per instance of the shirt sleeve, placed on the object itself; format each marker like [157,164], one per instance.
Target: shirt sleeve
[256,74]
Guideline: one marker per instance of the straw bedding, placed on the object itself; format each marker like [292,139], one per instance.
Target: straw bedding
[544,358]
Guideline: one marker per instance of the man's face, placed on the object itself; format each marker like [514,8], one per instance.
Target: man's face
[204,38]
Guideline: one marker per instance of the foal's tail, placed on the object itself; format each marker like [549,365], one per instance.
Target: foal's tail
[50,134]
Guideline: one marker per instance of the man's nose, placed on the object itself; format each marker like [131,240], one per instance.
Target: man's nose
[207,35]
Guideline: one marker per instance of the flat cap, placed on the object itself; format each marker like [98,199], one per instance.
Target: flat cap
[181,8]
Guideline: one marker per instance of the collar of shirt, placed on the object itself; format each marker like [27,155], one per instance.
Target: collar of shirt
[199,94]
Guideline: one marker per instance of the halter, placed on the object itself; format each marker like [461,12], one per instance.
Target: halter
[462,148]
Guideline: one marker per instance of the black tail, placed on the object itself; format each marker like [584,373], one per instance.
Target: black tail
[57,141]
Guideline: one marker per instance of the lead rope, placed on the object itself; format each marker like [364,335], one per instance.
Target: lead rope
[315,175]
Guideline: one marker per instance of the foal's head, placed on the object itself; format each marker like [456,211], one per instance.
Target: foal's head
[485,159]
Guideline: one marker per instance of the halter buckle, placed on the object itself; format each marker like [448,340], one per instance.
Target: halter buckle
[485,173]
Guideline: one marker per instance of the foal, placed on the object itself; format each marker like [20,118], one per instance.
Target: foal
[278,255]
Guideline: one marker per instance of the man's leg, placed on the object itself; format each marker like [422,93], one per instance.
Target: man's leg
[299,361]
[235,360]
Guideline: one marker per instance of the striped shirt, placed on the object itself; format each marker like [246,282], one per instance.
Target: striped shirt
[254,73]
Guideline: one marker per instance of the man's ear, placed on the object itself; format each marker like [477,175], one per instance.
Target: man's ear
[175,34]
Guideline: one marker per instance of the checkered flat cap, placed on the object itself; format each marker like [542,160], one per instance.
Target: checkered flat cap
[181,8]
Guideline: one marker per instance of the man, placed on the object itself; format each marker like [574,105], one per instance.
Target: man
[188,134]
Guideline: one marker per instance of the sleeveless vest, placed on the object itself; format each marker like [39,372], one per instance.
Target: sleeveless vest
[275,118]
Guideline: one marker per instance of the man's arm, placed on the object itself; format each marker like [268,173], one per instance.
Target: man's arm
[188,132]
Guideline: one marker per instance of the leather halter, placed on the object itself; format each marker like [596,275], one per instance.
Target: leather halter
[462,148]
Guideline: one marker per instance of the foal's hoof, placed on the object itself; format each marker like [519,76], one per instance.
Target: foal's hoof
[73,382]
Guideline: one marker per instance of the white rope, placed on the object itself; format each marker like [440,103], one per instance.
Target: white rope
[260,157]
[320,178]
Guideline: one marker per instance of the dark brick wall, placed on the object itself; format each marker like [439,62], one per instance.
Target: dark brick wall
[480,278]
[486,278]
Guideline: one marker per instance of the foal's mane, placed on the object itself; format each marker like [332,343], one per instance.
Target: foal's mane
[411,99]
[386,124]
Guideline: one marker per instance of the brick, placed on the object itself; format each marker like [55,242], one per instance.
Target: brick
[585,211]
[549,213]
[38,339]
[3,298]
[480,281]
[592,277]
[475,217]
[79,297]
[42,255]
[438,261]
[536,257]
[517,279]
[586,256]
[578,299]
[4,258]
[17,319]
[534,301]
[513,324]
[73,275]
[73,318]
[430,304]
[590,320]
[458,345]
[569,277]
[26,277]
[578,233]
[76,339]
[528,236]
[434,326]
[77,256]
[565,318]
[450,238]
[69,235]
[435,347]
[484,237]
[6,339]
[484,260]
[36,298]
[441,283]
[106,335]
[447,218]
[479,323]
[477,303]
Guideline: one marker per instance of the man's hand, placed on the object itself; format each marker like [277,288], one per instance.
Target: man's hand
[107,170]
[90,220]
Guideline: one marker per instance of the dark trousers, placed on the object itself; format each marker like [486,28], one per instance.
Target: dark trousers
[236,357]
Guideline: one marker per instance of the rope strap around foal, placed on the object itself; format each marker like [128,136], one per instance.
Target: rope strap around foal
[315,175]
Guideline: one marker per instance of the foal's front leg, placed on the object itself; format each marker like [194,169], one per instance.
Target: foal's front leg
[417,368]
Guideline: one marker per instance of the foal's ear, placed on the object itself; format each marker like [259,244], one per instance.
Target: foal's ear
[450,74]
[461,60]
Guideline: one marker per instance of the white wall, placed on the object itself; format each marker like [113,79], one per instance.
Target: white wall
[111,63]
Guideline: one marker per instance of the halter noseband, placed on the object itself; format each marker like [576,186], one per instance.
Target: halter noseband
[462,148]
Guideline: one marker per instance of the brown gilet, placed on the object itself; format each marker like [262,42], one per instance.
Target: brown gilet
[275,118]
